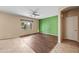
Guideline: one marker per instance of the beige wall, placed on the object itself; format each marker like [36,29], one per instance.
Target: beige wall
[10,26]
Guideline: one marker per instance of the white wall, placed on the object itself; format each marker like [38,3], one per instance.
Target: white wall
[10,26]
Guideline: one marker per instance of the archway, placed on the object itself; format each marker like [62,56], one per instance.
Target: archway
[69,23]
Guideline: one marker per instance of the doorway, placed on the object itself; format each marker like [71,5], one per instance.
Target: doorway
[70,24]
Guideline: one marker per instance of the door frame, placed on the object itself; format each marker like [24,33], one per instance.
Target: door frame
[62,15]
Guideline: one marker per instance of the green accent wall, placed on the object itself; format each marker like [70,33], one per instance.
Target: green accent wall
[49,25]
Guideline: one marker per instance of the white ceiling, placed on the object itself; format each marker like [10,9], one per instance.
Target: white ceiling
[45,11]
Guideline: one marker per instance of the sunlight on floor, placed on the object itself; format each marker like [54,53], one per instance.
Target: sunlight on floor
[14,45]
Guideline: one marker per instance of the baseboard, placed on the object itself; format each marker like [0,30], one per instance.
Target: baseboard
[29,34]
[50,34]
[9,38]
[70,40]
[37,33]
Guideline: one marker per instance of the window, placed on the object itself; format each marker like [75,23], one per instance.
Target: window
[26,24]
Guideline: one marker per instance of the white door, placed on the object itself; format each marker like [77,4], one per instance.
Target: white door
[72,28]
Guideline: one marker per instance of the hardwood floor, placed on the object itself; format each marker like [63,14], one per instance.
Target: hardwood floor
[67,46]
[71,42]
[41,43]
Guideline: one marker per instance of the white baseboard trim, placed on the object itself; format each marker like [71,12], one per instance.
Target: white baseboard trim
[51,34]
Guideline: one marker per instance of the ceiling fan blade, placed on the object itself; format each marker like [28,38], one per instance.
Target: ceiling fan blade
[37,10]
[34,13]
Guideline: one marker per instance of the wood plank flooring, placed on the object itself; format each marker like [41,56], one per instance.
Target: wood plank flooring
[67,46]
[41,43]
[71,42]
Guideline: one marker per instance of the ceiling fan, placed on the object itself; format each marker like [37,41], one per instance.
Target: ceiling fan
[34,13]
